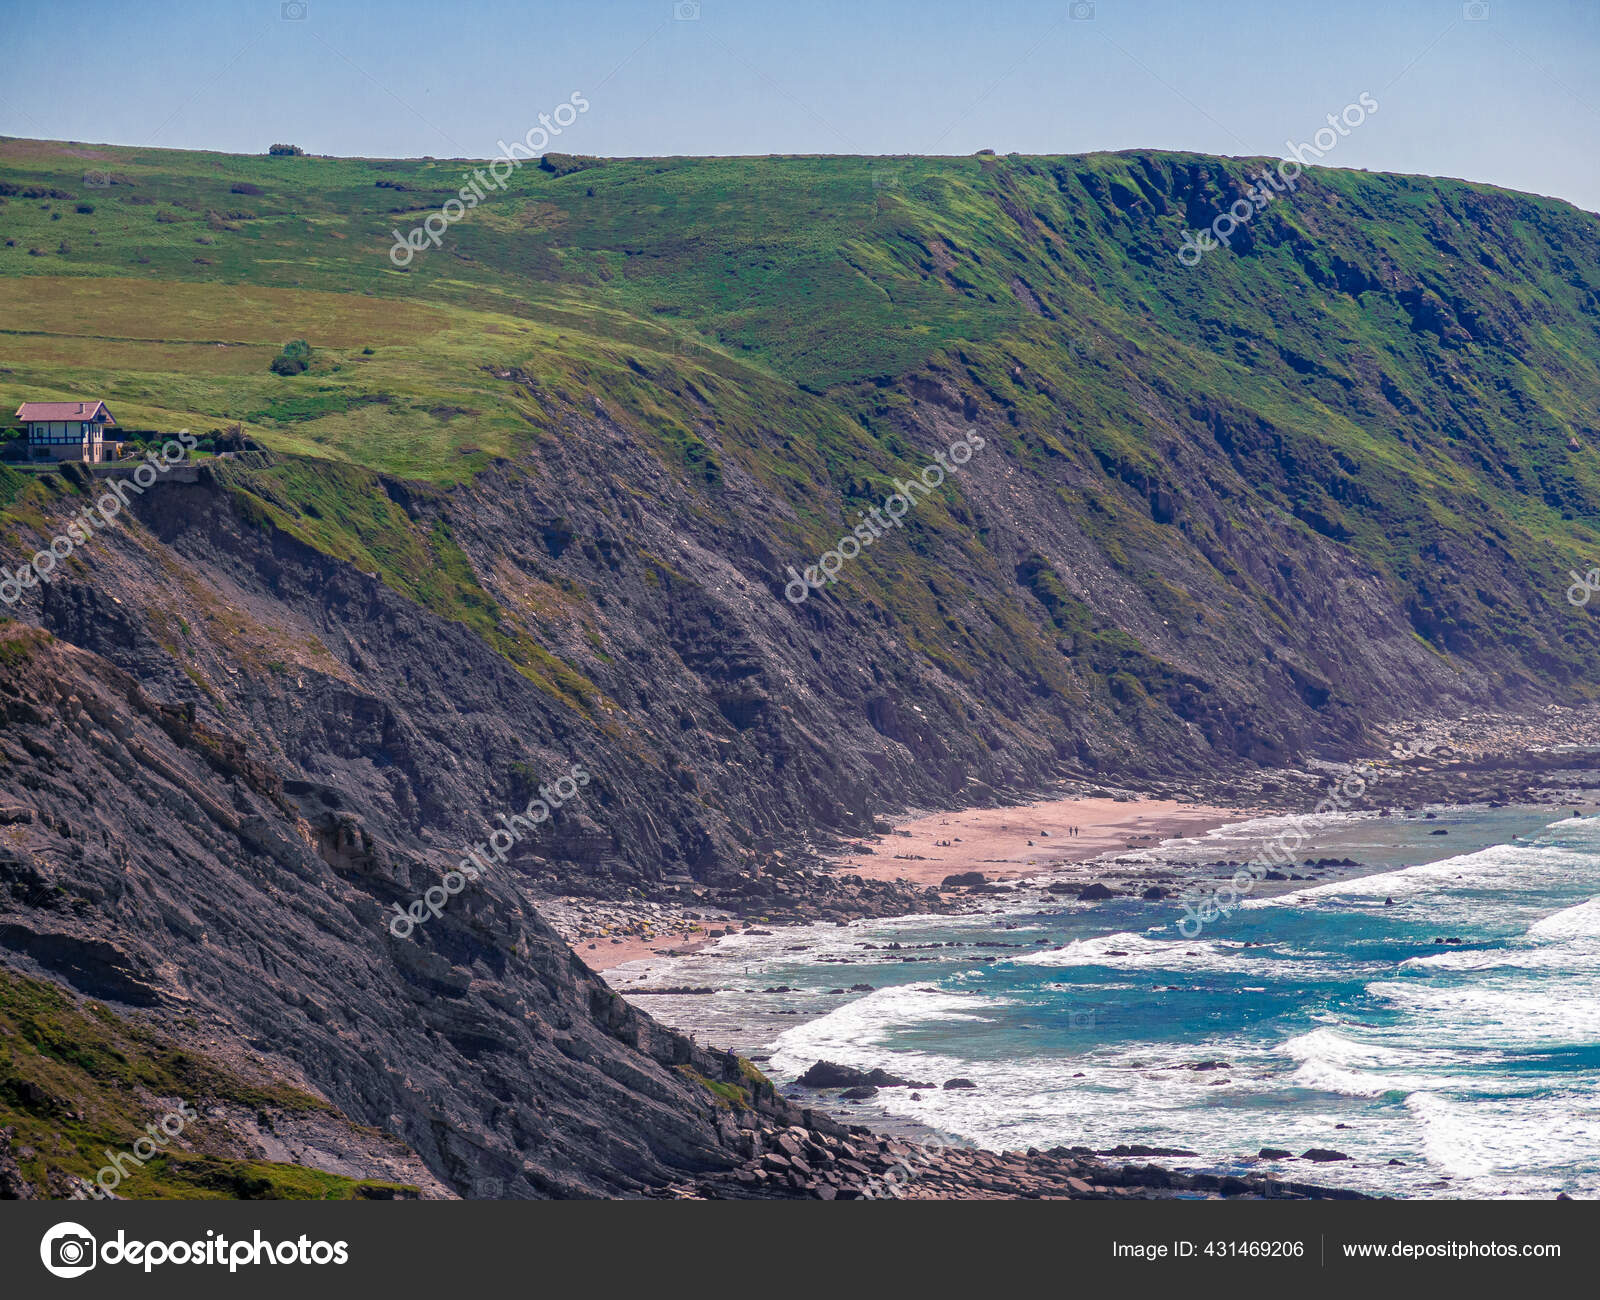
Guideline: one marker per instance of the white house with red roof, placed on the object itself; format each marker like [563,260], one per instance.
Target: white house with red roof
[66,430]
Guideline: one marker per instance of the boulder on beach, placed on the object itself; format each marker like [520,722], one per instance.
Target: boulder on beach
[1321,1155]
[950,1084]
[828,1074]
[862,1093]
[825,1074]
[1095,893]
[1274,1153]
[1156,893]
[963,879]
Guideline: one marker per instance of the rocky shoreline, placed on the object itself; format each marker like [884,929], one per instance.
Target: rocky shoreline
[827,1158]
[788,1152]
[1461,767]
[823,1160]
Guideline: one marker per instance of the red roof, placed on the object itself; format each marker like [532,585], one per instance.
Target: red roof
[75,411]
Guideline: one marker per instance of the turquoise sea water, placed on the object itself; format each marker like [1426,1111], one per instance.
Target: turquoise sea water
[1325,1017]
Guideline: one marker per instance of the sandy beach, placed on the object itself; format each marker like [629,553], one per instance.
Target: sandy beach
[1002,843]
[605,954]
[1029,840]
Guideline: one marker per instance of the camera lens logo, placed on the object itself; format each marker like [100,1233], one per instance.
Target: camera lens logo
[68,1250]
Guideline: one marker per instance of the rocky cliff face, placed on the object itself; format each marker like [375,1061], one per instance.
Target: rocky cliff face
[1220,518]
[159,864]
[231,754]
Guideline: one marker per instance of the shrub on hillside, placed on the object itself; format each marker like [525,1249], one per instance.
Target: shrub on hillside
[286,151]
[293,359]
[564,164]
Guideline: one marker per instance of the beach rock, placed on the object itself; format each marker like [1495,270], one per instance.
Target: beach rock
[825,1074]
[1156,892]
[1095,893]
[1321,1155]
[1274,1153]
[862,1093]
[1136,1149]
[963,879]
[950,1084]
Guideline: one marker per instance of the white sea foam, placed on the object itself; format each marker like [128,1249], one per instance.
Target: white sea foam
[1581,922]
[855,1034]
[1481,1137]
[1126,949]
[1497,1009]
[1454,1064]
[1504,869]
[1339,1060]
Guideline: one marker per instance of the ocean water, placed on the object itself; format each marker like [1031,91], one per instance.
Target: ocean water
[1323,1017]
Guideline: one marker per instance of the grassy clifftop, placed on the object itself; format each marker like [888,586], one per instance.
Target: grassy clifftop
[1405,369]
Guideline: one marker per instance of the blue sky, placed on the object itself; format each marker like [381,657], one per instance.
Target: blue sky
[1495,91]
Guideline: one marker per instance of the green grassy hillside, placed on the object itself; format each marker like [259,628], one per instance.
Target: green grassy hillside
[77,1080]
[1405,368]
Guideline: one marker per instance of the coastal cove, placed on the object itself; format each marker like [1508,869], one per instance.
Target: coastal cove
[1421,1003]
